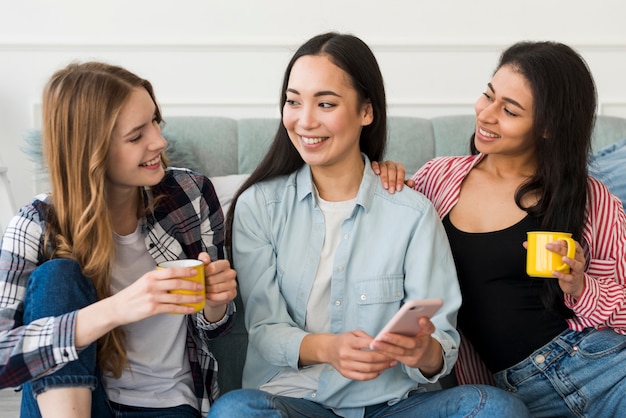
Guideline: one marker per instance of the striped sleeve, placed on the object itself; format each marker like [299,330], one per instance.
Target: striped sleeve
[603,301]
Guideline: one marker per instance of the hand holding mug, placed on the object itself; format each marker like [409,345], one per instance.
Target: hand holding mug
[556,255]
[221,286]
[199,277]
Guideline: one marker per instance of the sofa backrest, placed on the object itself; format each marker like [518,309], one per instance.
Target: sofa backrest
[218,146]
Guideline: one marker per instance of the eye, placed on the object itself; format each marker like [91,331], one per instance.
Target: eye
[487,96]
[326,105]
[508,112]
[136,139]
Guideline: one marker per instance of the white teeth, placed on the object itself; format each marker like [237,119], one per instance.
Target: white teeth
[488,134]
[313,141]
[152,162]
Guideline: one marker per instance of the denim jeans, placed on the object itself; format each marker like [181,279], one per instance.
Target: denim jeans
[578,374]
[460,401]
[607,165]
[57,287]
[54,288]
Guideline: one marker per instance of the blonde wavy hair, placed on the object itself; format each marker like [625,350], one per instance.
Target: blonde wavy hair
[81,104]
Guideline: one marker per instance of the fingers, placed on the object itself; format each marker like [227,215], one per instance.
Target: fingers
[221,282]
[205,258]
[400,175]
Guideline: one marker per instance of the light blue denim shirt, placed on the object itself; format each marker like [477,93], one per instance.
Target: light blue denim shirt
[393,248]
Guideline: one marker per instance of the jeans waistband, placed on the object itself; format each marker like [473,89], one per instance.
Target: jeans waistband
[563,344]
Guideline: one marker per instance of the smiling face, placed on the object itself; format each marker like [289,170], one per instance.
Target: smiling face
[134,157]
[323,114]
[504,115]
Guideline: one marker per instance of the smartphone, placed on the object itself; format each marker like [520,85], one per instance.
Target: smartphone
[405,321]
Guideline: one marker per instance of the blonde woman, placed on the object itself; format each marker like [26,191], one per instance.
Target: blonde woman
[81,303]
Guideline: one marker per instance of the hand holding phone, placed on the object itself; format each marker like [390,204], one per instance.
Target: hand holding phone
[406,320]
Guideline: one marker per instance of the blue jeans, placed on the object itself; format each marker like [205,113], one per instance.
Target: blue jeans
[57,287]
[578,374]
[460,401]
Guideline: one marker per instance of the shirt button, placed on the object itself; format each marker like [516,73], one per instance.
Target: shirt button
[65,353]
[329,368]
[363,297]
[539,358]
[314,395]
[340,268]
[337,302]
[346,236]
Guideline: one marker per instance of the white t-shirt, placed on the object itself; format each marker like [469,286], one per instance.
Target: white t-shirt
[159,374]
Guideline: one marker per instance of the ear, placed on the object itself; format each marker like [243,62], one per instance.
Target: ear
[367,114]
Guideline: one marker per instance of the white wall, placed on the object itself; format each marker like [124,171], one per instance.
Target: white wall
[226,57]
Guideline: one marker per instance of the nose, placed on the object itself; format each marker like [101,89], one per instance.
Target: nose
[485,112]
[157,141]
[306,118]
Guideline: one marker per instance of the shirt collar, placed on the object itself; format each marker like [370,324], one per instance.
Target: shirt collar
[368,188]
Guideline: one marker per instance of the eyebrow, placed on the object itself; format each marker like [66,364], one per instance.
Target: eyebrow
[318,94]
[507,99]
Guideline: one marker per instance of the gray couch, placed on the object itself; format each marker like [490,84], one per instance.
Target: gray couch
[225,148]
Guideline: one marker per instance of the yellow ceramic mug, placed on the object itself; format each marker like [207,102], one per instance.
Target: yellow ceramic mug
[541,262]
[198,265]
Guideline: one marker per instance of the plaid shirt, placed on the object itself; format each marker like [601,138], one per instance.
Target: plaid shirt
[187,220]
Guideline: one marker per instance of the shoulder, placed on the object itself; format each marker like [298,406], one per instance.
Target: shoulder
[37,209]
[444,165]
[272,190]
[29,223]
[184,181]
[600,199]
[184,178]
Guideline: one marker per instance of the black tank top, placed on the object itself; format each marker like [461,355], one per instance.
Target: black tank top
[502,314]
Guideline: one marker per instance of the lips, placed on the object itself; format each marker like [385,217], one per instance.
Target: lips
[487,134]
[313,140]
[154,161]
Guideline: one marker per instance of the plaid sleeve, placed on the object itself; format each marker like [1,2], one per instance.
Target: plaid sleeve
[43,346]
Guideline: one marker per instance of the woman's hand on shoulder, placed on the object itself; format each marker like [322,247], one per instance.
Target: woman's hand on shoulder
[392,175]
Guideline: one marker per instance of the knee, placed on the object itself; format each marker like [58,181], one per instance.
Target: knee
[61,275]
[56,287]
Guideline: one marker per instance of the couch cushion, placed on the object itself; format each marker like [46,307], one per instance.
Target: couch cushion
[203,144]
[453,134]
[410,141]
[254,138]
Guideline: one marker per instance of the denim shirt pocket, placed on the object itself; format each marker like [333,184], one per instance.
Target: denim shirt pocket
[378,298]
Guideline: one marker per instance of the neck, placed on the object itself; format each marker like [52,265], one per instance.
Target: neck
[123,209]
[509,167]
[337,184]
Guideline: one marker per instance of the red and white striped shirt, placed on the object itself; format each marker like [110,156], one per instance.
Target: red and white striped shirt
[603,301]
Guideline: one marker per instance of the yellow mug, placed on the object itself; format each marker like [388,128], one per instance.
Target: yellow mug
[541,262]
[198,265]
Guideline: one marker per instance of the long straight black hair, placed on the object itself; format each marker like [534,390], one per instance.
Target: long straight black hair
[354,57]
[564,103]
